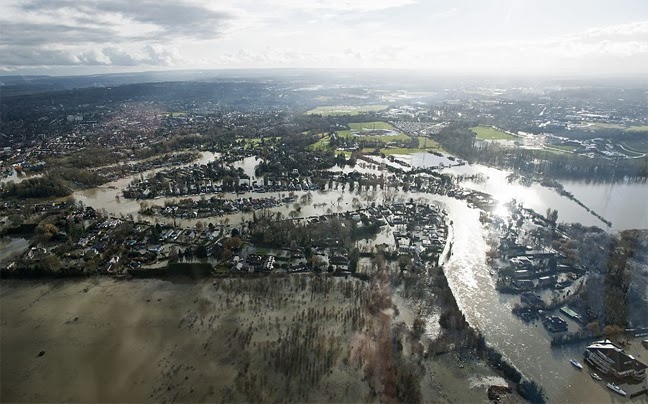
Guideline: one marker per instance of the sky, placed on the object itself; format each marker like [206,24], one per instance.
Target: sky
[517,37]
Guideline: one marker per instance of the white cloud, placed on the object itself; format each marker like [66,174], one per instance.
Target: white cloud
[342,5]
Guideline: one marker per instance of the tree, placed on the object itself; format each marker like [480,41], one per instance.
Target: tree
[201,251]
[552,217]
[51,263]
[173,254]
[46,231]
[404,261]
[418,328]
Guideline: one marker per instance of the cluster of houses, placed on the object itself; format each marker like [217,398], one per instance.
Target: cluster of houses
[427,225]
[205,179]
[190,209]
[290,260]
[524,268]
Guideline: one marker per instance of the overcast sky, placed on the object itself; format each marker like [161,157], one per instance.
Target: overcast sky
[600,37]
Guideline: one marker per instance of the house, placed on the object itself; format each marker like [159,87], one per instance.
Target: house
[545,281]
[532,299]
[571,313]
[612,360]
[554,324]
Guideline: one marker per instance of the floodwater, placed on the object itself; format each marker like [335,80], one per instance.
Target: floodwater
[15,177]
[109,196]
[624,204]
[430,160]
[11,247]
[526,346]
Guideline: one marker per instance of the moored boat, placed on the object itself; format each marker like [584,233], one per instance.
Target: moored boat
[616,389]
[576,363]
[595,376]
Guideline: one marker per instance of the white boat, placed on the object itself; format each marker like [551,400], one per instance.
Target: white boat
[576,364]
[616,389]
[596,377]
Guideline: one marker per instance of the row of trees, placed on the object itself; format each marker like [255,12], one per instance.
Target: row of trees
[40,187]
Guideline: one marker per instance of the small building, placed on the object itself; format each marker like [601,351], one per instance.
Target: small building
[571,313]
[545,281]
[612,360]
[554,324]
[521,274]
[532,299]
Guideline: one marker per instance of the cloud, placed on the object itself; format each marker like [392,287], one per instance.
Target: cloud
[161,55]
[29,34]
[343,5]
[170,19]
[151,55]
[29,56]
[101,32]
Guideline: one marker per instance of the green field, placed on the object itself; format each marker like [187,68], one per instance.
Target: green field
[346,109]
[424,145]
[488,133]
[257,140]
[369,126]
[322,144]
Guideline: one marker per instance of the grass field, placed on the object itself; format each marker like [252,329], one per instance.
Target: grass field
[425,144]
[346,109]
[322,144]
[488,133]
[257,140]
[368,126]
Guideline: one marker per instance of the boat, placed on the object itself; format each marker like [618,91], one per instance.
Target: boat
[596,377]
[576,364]
[616,389]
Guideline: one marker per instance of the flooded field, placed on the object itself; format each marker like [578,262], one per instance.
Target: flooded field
[150,340]
[208,341]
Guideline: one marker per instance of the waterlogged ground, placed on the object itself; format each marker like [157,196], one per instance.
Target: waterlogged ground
[270,339]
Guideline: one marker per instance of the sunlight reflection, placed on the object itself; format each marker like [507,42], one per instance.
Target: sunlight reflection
[502,210]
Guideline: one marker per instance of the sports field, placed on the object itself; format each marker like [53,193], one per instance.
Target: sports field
[489,133]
